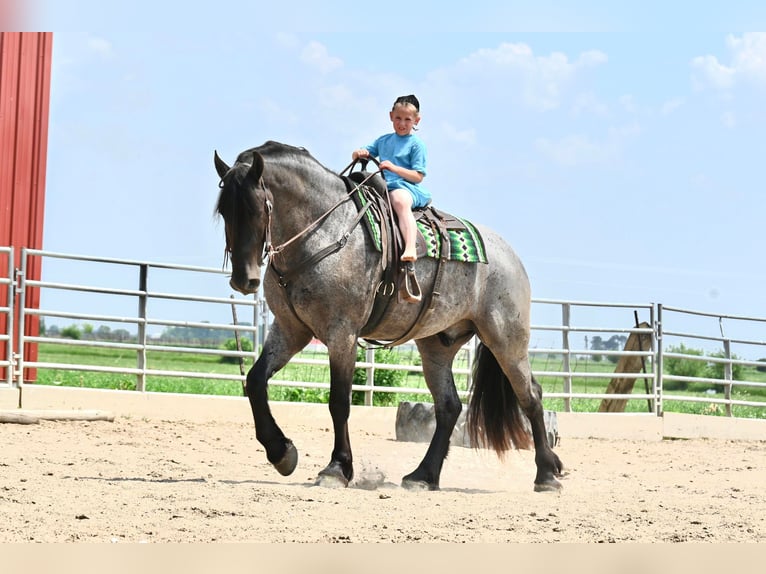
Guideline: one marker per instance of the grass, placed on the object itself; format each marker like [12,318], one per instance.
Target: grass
[190,362]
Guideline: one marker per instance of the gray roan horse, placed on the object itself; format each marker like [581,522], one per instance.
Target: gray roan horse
[281,207]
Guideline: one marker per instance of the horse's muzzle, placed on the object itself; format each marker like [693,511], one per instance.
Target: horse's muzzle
[247,287]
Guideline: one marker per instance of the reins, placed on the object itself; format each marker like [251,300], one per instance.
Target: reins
[272,251]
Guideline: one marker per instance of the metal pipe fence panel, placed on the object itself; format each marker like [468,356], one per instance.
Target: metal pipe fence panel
[576,367]
[709,355]
[7,272]
[131,326]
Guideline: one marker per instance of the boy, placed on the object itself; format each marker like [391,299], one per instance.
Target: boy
[403,162]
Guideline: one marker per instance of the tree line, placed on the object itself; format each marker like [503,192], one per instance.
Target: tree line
[195,336]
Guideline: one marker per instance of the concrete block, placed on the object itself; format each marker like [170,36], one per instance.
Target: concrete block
[416,422]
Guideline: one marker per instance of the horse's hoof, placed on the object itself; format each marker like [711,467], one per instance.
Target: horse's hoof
[552,485]
[418,485]
[331,481]
[289,461]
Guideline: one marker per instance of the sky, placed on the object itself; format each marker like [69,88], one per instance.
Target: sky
[617,146]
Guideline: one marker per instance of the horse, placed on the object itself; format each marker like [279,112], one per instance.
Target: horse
[283,209]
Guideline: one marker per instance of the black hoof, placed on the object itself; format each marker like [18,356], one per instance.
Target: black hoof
[551,485]
[418,485]
[331,481]
[334,476]
[289,461]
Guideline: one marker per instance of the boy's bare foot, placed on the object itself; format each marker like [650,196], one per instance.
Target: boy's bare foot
[409,256]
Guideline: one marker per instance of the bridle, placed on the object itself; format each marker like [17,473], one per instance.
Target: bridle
[271,252]
[266,239]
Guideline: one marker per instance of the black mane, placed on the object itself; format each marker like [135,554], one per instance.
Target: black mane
[235,198]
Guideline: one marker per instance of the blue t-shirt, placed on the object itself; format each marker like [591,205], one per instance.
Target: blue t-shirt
[405,151]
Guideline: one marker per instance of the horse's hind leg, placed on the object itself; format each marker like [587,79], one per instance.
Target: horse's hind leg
[437,354]
[529,394]
[278,349]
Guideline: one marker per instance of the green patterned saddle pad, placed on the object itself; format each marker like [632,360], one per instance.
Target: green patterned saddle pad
[464,242]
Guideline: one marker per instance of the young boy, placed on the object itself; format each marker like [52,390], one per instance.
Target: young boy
[403,162]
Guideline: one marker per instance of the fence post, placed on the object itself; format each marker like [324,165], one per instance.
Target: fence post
[10,318]
[653,348]
[261,320]
[369,356]
[19,281]
[659,383]
[469,361]
[727,375]
[565,318]
[142,286]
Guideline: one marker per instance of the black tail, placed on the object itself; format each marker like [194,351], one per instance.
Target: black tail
[494,418]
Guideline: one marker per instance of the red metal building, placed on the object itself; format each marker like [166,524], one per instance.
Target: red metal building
[25,73]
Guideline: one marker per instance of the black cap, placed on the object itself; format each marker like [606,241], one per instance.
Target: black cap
[411,99]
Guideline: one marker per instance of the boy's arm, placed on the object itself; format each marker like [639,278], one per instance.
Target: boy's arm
[411,175]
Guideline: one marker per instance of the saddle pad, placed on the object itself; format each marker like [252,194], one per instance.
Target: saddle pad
[465,242]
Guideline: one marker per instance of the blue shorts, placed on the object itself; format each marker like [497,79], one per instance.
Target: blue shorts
[420,195]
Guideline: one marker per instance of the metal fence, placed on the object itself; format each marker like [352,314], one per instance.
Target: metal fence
[724,360]
[6,314]
[574,370]
[612,318]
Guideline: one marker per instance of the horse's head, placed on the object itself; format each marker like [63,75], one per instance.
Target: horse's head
[245,205]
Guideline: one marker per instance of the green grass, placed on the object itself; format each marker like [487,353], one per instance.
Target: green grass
[599,385]
[180,361]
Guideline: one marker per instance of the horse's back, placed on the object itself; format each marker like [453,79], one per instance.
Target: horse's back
[504,264]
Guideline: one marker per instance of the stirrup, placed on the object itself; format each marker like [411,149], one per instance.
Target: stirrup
[410,289]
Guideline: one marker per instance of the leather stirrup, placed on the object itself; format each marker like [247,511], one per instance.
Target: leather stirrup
[410,288]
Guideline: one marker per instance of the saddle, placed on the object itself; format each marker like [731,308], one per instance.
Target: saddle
[436,238]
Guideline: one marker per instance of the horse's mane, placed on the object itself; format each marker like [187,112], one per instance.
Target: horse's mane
[273,153]
[282,154]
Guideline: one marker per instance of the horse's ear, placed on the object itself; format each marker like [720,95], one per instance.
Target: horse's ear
[220,165]
[256,170]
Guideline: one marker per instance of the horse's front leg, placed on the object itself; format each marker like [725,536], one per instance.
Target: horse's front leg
[278,349]
[340,470]
[438,355]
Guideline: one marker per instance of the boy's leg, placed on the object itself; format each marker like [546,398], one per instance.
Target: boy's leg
[401,200]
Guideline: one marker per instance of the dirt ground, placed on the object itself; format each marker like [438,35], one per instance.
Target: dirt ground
[145,480]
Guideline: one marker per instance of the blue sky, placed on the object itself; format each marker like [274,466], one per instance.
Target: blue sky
[617,146]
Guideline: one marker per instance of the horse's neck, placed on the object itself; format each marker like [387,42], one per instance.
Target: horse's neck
[301,200]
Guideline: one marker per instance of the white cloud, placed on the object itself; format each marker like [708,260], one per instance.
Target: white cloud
[627,103]
[748,63]
[541,80]
[713,73]
[336,97]
[316,55]
[729,119]
[101,47]
[621,133]
[671,106]
[271,109]
[591,58]
[581,150]
[287,40]
[588,103]
[574,150]
[466,137]
[749,55]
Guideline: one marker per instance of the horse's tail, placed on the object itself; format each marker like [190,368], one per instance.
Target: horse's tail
[494,418]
